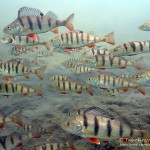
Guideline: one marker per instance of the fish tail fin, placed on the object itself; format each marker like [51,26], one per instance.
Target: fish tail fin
[137,64]
[39,72]
[68,22]
[90,90]
[35,61]
[38,91]
[141,90]
[17,118]
[110,38]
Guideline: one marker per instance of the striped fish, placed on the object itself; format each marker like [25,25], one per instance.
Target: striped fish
[43,53]
[12,69]
[93,126]
[10,89]
[81,69]
[76,40]
[106,81]
[53,146]
[11,141]
[27,25]
[131,48]
[110,62]
[67,86]
[95,51]
[36,131]
[18,40]
[57,78]
[16,119]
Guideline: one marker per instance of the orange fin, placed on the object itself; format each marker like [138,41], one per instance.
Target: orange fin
[55,31]
[91,45]
[79,92]
[1,126]
[68,23]
[140,90]
[103,68]
[26,76]
[94,140]
[19,145]
[123,67]
[32,36]
[63,92]
[36,136]
[110,38]
[125,89]
[17,118]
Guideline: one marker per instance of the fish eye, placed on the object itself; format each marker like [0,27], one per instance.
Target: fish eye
[10,40]
[137,76]
[89,79]
[8,27]
[68,123]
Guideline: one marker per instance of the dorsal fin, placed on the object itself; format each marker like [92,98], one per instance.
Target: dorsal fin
[27,11]
[52,15]
[98,112]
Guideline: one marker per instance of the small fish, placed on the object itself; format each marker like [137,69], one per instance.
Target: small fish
[34,23]
[131,48]
[43,53]
[17,40]
[113,92]
[67,86]
[95,127]
[76,40]
[53,146]
[95,51]
[110,62]
[13,69]
[16,119]
[106,81]
[10,89]
[145,26]
[36,131]
[11,141]
[81,69]
[57,78]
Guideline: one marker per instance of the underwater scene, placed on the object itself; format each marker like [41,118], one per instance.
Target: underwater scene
[75,75]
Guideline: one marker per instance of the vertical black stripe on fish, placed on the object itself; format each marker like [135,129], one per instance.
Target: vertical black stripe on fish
[13,88]
[77,38]
[67,39]
[104,79]
[111,60]
[62,38]
[133,46]
[96,58]
[96,126]
[85,121]
[9,67]
[6,88]
[30,22]
[57,23]
[39,22]
[51,146]
[44,147]
[22,69]
[88,38]
[16,87]
[93,51]
[98,52]
[49,22]
[141,46]
[125,46]
[82,38]
[95,39]
[71,36]
[4,66]
[17,66]
[12,140]
[108,80]
[58,145]
[3,141]
[121,130]
[114,81]
[27,39]
[119,61]
[109,128]
[131,132]
[76,86]
[103,60]
[21,89]
[19,38]
[14,37]
[64,85]
[21,21]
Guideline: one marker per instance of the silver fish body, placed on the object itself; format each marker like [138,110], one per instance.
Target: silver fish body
[26,25]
